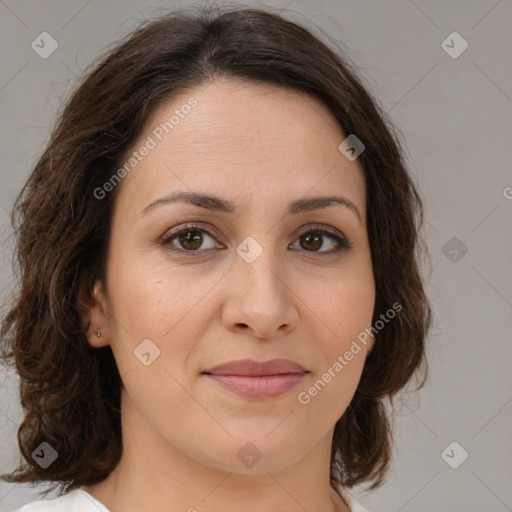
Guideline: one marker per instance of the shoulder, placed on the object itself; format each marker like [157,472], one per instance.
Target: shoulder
[75,501]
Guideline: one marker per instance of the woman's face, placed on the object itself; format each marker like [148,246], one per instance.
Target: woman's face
[256,277]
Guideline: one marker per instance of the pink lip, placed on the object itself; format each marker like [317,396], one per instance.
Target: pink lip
[257,379]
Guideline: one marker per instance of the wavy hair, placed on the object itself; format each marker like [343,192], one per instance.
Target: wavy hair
[69,391]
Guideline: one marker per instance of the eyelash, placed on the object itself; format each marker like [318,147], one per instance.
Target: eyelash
[343,244]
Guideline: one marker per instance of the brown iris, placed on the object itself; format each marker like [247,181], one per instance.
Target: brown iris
[312,239]
[188,238]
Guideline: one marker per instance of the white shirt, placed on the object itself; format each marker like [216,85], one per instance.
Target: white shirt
[80,501]
[75,501]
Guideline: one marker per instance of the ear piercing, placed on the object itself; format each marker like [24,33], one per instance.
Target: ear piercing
[98,333]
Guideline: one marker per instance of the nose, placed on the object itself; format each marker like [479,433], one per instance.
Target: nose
[258,297]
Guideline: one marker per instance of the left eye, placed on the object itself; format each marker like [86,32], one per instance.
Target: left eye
[191,238]
[314,239]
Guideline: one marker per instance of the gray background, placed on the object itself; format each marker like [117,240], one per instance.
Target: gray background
[455,114]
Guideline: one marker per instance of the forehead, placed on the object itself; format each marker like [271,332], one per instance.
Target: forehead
[244,141]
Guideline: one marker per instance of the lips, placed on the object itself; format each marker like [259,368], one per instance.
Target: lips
[258,379]
[251,367]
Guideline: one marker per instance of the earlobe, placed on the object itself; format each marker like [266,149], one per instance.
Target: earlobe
[95,340]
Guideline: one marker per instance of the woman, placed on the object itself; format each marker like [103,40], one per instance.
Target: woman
[220,287]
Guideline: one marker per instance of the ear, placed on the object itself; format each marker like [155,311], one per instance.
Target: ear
[92,307]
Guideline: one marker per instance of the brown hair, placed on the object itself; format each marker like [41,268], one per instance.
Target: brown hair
[69,391]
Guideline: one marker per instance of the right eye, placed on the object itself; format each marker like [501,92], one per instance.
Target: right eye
[190,237]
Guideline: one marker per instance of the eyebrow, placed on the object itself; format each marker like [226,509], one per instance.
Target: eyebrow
[217,204]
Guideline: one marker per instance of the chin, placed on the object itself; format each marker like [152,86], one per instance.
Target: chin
[260,453]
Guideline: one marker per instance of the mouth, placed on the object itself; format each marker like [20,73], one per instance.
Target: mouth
[258,379]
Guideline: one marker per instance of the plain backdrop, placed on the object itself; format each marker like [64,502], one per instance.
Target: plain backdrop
[454,109]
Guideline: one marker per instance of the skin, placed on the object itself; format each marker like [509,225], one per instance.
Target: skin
[259,146]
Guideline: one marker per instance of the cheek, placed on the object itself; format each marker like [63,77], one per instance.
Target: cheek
[345,309]
[326,397]
[347,312]
[154,301]
[151,295]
